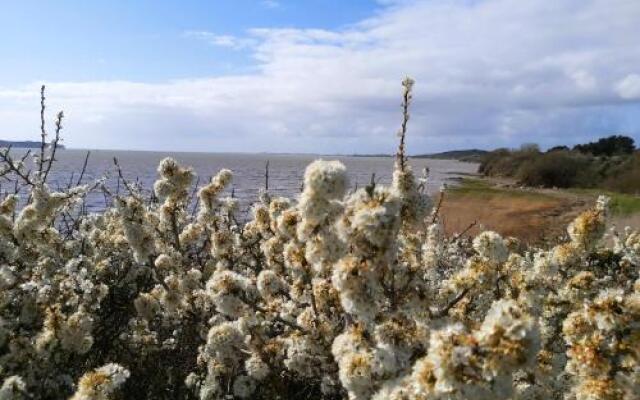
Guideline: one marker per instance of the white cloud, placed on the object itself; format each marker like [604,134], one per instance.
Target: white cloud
[629,87]
[583,80]
[489,73]
[232,42]
[270,3]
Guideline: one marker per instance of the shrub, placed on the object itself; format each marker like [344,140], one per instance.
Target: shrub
[334,295]
[562,168]
[556,169]
[558,148]
[609,146]
[503,162]
[625,178]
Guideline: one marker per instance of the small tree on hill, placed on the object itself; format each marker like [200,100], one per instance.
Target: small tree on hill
[609,146]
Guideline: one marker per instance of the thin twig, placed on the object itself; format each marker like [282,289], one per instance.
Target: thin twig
[121,177]
[43,132]
[459,235]
[84,167]
[54,145]
[401,157]
[371,187]
[24,157]
[445,310]
[6,157]
[193,199]
[437,210]
[277,318]
[175,230]
[70,184]
[266,176]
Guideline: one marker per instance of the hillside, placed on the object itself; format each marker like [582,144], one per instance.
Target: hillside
[471,155]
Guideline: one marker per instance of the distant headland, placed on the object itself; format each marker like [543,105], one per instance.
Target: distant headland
[471,155]
[26,144]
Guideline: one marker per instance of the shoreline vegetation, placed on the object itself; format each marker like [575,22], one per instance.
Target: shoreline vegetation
[331,295]
[532,194]
[611,164]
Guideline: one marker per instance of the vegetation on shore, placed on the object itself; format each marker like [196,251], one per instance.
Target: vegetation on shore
[472,155]
[610,163]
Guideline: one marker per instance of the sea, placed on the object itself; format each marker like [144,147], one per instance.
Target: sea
[285,171]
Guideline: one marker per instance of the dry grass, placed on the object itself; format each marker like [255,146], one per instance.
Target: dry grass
[621,221]
[531,216]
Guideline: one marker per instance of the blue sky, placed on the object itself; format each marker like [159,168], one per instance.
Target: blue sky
[321,76]
[145,41]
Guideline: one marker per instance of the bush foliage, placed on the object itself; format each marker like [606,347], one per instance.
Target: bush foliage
[610,163]
[609,146]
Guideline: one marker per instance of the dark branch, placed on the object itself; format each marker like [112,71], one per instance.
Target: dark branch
[266,176]
[84,167]
[43,132]
[6,157]
[445,310]
[467,229]
[121,177]
[54,145]
[437,210]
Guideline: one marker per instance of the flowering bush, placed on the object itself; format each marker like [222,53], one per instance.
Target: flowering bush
[338,294]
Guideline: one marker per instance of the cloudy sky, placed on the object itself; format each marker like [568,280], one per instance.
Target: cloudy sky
[321,75]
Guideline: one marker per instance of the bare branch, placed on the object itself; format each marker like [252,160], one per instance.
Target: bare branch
[277,317]
[436,212]
[43,132]
[121,177]
[266,176]
[467,229]
[84,167]
[54,146]
[175,229]
[194,200]
[445,310]
[6,157]
[401,156]
[371,187]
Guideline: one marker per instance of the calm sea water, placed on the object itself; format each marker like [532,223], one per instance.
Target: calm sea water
[285,170]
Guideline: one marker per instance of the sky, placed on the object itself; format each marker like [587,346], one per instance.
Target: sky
[320,76]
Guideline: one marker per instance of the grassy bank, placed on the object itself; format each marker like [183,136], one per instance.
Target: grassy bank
[531,215]
[622,204]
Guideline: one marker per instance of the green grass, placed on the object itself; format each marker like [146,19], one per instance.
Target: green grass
[483,188]
[621,203]
[469,186]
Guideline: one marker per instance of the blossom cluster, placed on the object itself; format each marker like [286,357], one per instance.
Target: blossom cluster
[338,294]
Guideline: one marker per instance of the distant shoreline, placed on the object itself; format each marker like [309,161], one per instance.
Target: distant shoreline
[472,155]
[459,155]
[434,156]
[24,144]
